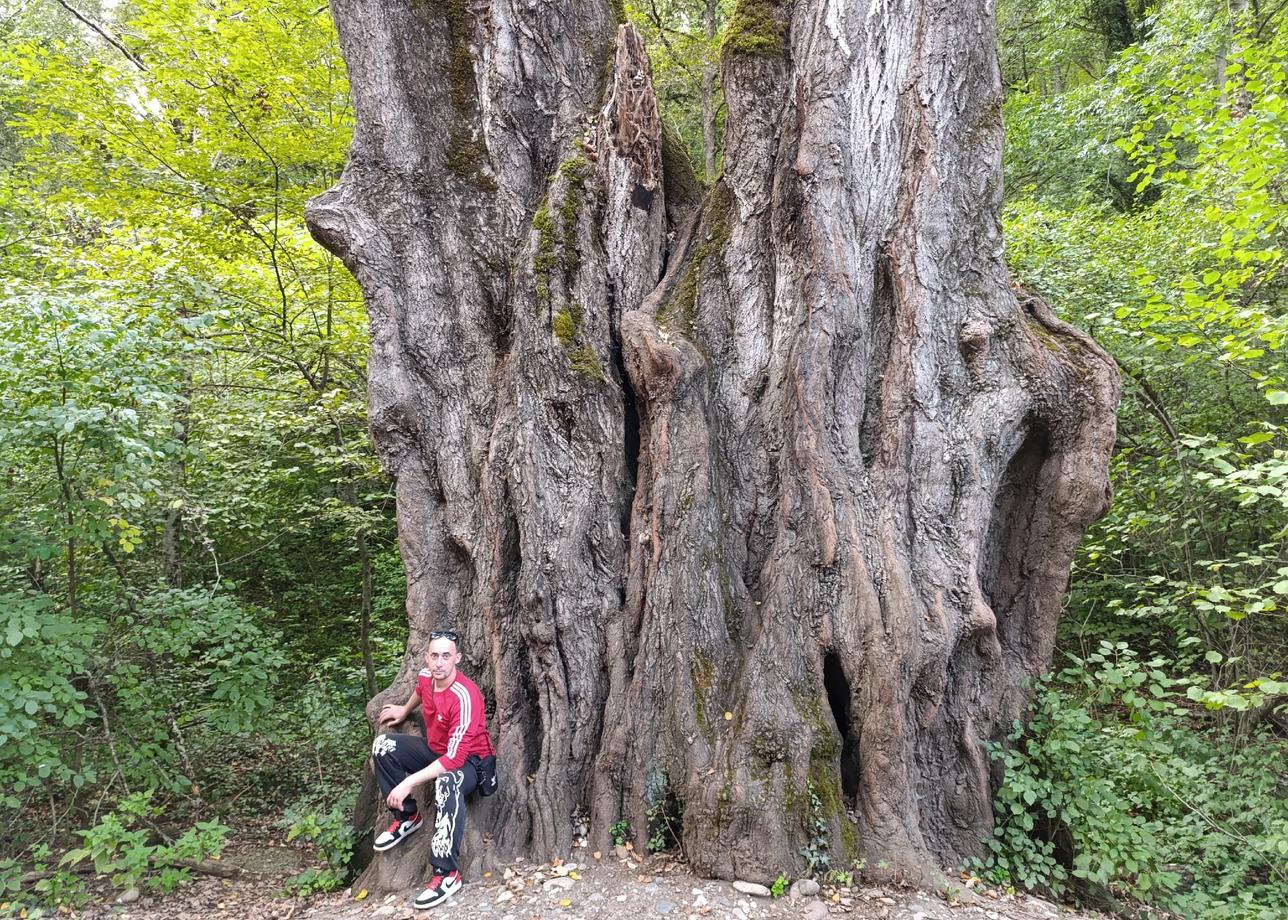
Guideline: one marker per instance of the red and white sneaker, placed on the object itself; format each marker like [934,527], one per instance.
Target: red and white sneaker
[441,887]
[396,831]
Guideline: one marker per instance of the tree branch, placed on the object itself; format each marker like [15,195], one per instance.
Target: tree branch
[103,34]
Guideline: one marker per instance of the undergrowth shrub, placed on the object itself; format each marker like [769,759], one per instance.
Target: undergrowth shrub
[1117,787]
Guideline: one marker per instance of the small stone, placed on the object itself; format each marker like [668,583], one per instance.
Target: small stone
[804,888]
[664,907]
[816,910]
[387,910]
[558,882]
[751,888]
[128,896]
[620,852]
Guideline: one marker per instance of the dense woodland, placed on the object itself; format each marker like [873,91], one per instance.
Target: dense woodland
[200,581]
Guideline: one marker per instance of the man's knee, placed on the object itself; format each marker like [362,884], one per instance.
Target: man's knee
[382,746]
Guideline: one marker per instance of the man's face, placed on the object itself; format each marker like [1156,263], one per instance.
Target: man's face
[442,658]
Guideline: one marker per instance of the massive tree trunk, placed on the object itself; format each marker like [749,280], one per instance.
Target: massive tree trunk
[751,504]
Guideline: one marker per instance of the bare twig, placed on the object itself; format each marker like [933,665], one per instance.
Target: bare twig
[102,33]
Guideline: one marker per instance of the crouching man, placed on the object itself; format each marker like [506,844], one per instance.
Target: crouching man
[457,754]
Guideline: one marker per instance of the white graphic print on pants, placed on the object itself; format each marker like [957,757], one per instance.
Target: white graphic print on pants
[382,745]
[445,823]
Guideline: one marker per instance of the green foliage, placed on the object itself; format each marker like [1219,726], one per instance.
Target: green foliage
[1115,786]
[332,836]
[662,812]
[817,851]
[620,832]
[42,652]
[193,527]
[57,889]
[779,887]
[684,49]
[119,848]
[842,877]
[1143,204]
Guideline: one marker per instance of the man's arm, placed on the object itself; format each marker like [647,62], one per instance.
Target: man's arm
[403,789]
[459,718]
[391,714]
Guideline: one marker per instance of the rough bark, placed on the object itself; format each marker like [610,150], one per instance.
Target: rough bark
[747,511]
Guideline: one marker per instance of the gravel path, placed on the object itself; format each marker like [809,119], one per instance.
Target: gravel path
[617,887]
[624,889]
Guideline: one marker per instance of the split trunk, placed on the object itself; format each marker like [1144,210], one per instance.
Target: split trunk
[754,505]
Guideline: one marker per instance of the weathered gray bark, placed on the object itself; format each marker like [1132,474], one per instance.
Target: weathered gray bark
[746,511]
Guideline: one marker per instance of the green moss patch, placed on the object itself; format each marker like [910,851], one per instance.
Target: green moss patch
[754,30]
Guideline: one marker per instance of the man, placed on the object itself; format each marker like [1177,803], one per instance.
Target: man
[457,754]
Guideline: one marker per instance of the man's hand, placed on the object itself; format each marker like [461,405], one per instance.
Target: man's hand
[397,794]
[392,715]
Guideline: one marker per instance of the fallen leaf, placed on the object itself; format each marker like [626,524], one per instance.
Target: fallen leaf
[361,895]
[597,854]
[575,874]
[728,716]
[566,902]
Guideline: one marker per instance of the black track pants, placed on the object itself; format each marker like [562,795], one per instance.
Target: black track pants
[394,758]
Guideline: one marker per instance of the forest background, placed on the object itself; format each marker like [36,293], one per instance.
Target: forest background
[200,584]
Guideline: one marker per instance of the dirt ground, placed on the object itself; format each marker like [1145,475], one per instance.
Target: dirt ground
[617,886]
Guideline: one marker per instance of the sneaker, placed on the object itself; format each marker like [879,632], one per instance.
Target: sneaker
[441,887]
[396,831]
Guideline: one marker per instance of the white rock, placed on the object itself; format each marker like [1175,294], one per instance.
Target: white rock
[751,888]
[816,910]
[804,888]
[387,910]
[504,896]
[128,896]
[559,882]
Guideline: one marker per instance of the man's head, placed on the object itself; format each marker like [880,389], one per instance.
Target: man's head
[442,655]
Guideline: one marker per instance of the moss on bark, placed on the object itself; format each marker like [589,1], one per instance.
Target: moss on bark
[755,30]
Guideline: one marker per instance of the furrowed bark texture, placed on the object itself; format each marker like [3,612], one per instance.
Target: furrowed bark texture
[755,512]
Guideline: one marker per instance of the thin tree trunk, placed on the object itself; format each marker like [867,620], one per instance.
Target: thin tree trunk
[364,612]
[709,96]
[744,510]
[172,534]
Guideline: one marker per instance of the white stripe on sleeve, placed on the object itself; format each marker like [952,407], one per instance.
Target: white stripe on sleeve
[454,743]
